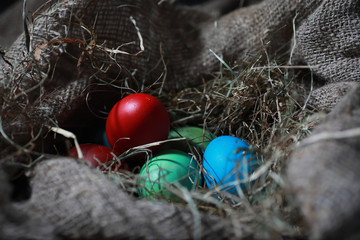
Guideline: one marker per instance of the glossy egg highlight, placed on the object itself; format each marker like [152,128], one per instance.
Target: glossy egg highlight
[228,162]
[136,120]
[164,172]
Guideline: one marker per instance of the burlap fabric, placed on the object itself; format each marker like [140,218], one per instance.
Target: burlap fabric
[78,47]
[324,170]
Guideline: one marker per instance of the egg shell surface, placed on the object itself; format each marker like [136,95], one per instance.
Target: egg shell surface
[195,135]
[104,139]
[95,154]
[166,170]
[228,159]
[136,120]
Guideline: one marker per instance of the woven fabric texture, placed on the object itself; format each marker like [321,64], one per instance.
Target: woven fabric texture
[327,184]
[81,46]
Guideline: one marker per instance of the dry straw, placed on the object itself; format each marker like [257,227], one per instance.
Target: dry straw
[256,103]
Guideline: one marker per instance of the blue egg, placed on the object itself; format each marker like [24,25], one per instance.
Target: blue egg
[228,162]
[105,141]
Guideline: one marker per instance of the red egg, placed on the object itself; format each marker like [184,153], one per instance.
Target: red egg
[95,154]
[136,120]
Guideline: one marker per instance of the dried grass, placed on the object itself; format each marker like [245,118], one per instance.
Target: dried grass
[257,104]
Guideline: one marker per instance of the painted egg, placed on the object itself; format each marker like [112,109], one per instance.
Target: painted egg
[228,162]
[136,120]
[104,139]
[96,155]
[164,172]
[97,135]
[197,136]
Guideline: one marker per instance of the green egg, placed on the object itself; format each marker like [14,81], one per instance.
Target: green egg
[166,171]
[195,135]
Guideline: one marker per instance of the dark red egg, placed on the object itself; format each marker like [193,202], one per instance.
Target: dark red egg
[96,155]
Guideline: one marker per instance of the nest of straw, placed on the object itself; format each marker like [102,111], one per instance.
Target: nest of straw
[256,103]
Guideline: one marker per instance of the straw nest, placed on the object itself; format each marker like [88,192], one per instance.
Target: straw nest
[266,106]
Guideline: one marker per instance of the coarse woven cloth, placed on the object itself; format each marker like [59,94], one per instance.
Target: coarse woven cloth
[77,47]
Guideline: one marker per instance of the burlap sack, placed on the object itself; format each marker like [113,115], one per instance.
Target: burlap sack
[77,47]
[324,173]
